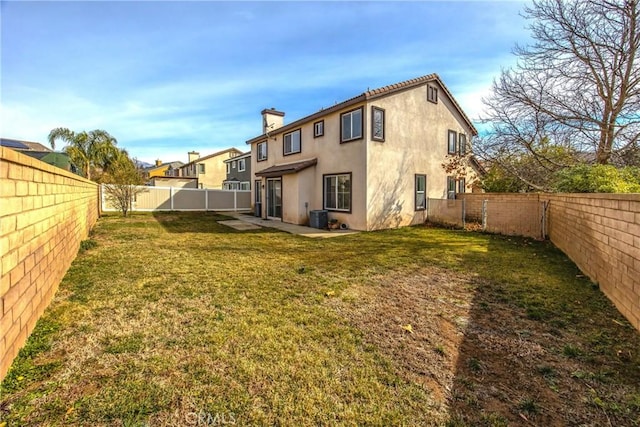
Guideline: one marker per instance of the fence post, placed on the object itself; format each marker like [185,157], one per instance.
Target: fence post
[427,206]
[484,215]
[463,212]
[235,200]
[545,205]
[171,196]
[206,200]
[102,197]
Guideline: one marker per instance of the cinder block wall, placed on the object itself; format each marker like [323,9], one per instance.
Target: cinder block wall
[511,214]
[599,232]
[45,212]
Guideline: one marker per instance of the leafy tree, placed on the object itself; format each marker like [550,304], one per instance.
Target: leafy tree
[122,182]
[576,87]
[599,179]
[497,180]
[90,151]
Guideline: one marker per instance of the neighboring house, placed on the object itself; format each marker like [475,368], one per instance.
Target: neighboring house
[173,181]
[371,161]
[210,170]
[238,173]
[42,153]
[161,169]
[22,146]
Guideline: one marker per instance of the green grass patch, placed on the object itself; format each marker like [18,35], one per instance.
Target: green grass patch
[173,319]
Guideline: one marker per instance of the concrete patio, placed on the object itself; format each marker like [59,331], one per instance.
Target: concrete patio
[301,230]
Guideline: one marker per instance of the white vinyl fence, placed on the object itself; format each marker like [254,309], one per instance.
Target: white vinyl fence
[183,199]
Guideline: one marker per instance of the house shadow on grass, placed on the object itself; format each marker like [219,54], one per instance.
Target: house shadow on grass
[542,345]
[198,222]
[501,330]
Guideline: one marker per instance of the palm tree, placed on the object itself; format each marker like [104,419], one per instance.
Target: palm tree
[87,150]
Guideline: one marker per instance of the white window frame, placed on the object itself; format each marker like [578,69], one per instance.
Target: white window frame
[289,140]
[340,197]
[242,165]
[354,132]
[245,186]
[234,164]
[262,153]
[318,129]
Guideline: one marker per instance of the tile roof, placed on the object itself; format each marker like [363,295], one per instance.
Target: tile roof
[200,159]
[373,94]
[278,170]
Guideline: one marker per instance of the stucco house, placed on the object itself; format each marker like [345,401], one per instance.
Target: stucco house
[238,172]
[370,161]
[210,170]
[161,169]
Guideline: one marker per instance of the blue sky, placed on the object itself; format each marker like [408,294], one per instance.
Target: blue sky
[166,78]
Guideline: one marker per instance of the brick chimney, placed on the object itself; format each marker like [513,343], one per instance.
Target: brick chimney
[158,162]
[272,119]
[193,155]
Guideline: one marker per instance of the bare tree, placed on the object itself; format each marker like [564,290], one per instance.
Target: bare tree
[576,89]
[122,182]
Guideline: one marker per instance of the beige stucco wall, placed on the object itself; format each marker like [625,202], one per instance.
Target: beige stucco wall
[382,173]
[415,143]
[333,158]
[300,189]
[215,171]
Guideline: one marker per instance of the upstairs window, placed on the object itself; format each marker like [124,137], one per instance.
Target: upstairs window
[261,148]
[452,142]
[228,168]
[432,94]
[318,129]
[377,124]
[242,165]
[201,167]
[462,144]
[292,142]
[351,125]
[234,164]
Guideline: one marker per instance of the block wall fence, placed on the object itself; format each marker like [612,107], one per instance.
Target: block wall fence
[599,232]
[45,212]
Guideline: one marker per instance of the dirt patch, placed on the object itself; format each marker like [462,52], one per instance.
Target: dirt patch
[482,358]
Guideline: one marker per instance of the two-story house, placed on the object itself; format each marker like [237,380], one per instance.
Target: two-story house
[210,170]
[160,169]
[371,161]
[238,172]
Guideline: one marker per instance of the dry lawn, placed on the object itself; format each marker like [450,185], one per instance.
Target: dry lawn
[173,319]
